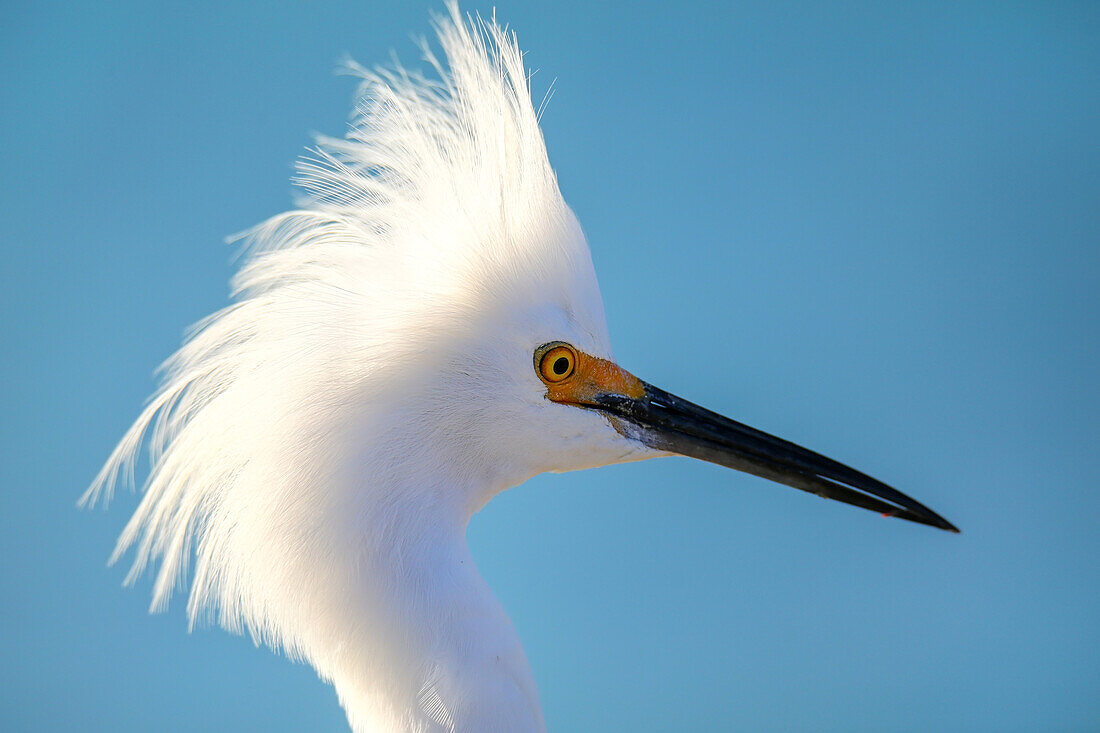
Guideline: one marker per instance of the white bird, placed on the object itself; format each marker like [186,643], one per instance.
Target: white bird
[425,332]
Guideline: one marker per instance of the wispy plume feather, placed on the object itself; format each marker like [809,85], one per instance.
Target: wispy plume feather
[432,170]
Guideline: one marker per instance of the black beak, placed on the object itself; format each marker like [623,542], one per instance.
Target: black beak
[665,422]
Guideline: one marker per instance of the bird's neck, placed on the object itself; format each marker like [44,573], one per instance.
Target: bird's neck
[425,645]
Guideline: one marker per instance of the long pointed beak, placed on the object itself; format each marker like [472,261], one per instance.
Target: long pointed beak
[665,422]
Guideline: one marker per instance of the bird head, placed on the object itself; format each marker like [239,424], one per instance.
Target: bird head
[426,326]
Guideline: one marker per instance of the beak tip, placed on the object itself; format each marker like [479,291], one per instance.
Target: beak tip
[947,526]
[932,520]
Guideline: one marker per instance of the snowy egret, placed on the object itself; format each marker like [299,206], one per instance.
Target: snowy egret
[423,333]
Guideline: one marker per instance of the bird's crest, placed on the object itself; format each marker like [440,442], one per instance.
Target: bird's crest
[447,171]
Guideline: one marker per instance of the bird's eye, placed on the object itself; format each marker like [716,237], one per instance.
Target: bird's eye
[557,363]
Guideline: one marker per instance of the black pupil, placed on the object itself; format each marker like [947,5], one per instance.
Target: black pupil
[561,365]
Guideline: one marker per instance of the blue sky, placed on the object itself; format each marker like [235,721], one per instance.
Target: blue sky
[871,228]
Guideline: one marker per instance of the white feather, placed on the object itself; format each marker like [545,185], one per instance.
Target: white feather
[319,446]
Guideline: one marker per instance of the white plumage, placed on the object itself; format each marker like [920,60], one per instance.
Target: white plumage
[423,333]
[320,445]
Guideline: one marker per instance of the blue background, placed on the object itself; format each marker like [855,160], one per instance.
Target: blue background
[870,228]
